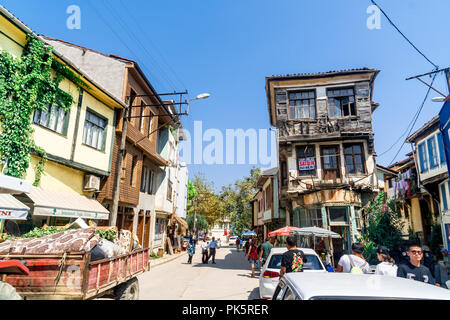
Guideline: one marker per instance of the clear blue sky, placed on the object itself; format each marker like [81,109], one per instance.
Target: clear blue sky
[228,47]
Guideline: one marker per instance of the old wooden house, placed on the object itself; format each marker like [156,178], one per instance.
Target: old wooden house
[326,148]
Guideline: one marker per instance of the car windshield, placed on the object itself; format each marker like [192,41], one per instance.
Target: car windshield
[312,263]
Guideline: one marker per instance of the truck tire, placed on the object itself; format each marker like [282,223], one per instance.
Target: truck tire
[128,290]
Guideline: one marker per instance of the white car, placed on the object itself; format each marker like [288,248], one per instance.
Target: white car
[346,286]
[270,271]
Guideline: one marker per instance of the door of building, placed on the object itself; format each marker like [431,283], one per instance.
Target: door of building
[147,229]
[330,162]
[140,230]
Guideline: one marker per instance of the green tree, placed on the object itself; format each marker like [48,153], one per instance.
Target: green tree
[235,200]
[201,224]
[384,223]
[204,199]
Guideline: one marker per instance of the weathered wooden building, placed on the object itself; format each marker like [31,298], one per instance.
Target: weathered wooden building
[326,148]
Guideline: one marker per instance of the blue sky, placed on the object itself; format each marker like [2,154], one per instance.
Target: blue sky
[228,47]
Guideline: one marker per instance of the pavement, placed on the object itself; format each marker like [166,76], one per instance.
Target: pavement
[175,279]
[166,258]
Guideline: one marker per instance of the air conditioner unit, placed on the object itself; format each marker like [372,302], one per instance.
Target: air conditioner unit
[91,183]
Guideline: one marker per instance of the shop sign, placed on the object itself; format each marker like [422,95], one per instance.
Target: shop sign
[6,214]
[306,164]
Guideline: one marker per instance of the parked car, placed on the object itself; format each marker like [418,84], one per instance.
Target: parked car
[270,271]
[346,286]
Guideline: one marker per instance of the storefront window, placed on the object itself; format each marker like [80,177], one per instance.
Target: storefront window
[338,215]
[159,229]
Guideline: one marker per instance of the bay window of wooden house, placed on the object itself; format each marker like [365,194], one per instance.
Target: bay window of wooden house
[302,105]
[341,103]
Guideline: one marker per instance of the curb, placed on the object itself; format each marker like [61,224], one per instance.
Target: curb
[157,262]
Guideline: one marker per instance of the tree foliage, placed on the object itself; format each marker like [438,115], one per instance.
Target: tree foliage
[27,84]
[204,198]
[236,200]
[201,223]
[384,223]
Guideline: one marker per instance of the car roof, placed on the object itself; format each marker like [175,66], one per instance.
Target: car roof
[283,250]
[333,284]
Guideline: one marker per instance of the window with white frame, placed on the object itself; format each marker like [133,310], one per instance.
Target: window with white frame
[423,158]
[54,118]
[444,194]
[94,134]
[432,152]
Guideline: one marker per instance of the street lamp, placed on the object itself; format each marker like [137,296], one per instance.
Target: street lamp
[199,97]
[438,99]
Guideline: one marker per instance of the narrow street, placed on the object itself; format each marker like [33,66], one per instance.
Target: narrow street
[230,278]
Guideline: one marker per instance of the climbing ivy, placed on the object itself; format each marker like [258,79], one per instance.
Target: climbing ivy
[28,84]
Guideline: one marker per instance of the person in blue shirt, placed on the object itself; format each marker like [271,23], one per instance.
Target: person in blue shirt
[212,250]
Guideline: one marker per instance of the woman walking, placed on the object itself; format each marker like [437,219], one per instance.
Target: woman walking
[190,251]
[387,265]
[252,255]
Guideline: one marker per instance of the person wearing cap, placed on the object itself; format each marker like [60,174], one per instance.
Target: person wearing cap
[349,261]
[387,265]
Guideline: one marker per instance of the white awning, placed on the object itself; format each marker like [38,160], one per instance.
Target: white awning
[63,204]
[11,208]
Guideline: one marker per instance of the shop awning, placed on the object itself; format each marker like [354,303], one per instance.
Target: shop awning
[63,204]
[11,208]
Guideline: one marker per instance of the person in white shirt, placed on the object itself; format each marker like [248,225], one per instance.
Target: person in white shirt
[204,246]
[387,265]
[356,259]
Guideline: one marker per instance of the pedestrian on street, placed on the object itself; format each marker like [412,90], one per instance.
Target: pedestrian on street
[293,259]
[246,246]
[413,269]
[355,262]
[265,250]
[387,263]
[191,252]
[238,242]
[252,256]
[204,246]
[212,250]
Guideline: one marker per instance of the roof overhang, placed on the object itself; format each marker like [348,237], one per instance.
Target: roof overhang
[315,79]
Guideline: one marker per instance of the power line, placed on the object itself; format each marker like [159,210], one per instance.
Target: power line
[418,113]
[121,40]
[392,23]
[139,43]
[136,21]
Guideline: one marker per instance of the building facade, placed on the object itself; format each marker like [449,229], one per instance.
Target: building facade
[326,151]
[142,165]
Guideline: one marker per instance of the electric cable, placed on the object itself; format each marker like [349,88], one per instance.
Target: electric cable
[392,23]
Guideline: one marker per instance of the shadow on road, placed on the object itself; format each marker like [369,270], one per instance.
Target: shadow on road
[254,294]
[235,260]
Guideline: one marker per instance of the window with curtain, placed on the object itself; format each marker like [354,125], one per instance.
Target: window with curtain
[302,105]
[55,119]
[341,103]
[94,134]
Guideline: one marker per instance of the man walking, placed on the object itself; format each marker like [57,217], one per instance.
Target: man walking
[238,242]
[265,250]
[413,269]
[293,259]
[212,250]
[355,262]
[204,246]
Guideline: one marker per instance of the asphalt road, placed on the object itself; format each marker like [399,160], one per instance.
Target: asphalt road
[228,279]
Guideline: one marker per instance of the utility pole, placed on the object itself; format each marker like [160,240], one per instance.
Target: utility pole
[195,218]
[121,155]
[447,74]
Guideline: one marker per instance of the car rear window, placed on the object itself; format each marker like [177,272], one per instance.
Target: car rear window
[312,262]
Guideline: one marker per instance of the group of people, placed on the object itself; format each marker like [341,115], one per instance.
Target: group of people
[256,252]
[412,268]
[205,246]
